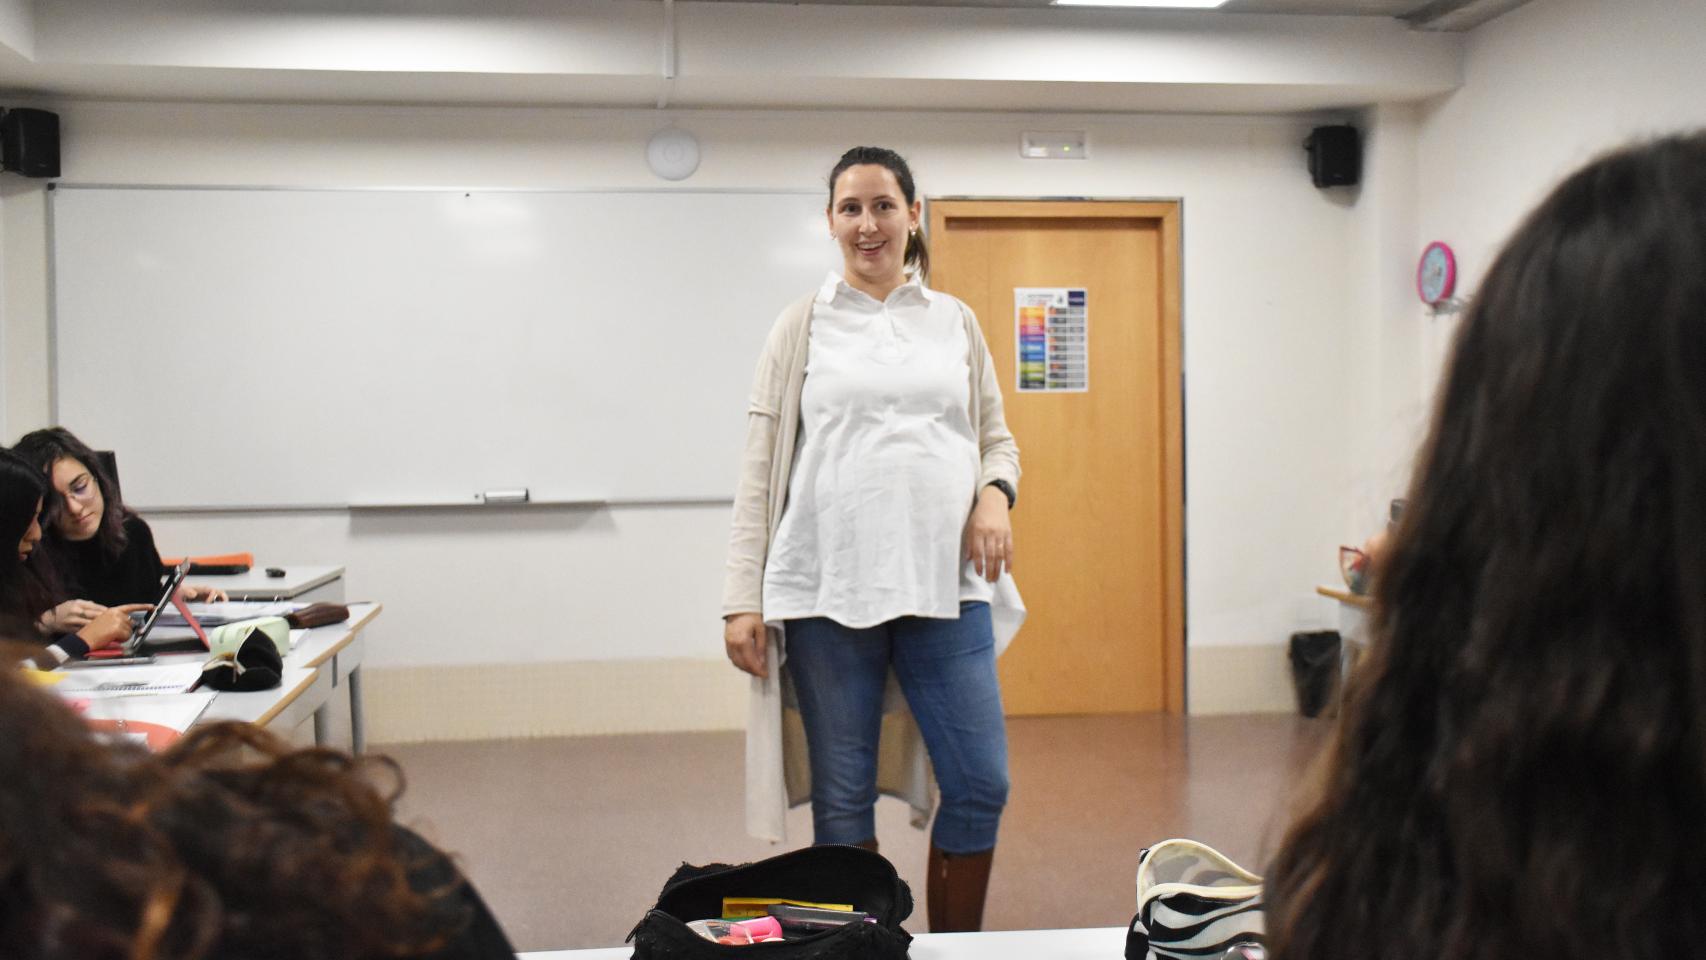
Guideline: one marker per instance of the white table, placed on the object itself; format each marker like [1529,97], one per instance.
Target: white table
[1098,943]
[300,582]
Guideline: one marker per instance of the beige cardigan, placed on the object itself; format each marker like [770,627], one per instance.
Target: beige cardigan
[777,773]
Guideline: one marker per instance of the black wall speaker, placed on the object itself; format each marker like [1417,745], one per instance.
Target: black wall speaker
[29,142]
[1335,156]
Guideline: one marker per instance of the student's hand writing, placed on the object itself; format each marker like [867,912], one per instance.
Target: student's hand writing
[68,616]
[988,538]
[110,627]
[208,594]
[745,639]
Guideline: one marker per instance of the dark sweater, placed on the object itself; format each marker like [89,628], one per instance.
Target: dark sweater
[131,577]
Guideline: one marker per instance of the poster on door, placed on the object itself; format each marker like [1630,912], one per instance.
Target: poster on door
[1052,333]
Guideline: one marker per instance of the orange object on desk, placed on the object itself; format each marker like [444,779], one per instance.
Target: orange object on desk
[216,563]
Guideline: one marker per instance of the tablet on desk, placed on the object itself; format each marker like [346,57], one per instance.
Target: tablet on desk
[149,620]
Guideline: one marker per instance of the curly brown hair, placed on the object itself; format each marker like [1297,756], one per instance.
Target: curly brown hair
[229,844]
[1521,770]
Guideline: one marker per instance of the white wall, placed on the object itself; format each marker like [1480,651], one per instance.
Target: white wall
[23,302]
[1546,88]
[1386,385]
[1266,263]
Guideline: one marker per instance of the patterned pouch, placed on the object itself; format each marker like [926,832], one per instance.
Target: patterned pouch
[1193,904]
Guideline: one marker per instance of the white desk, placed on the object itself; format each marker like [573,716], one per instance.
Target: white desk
[300,582]
[1098,943]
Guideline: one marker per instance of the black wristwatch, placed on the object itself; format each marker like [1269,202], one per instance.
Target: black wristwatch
[1006,490]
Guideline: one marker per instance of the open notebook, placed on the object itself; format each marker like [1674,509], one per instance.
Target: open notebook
[129,681]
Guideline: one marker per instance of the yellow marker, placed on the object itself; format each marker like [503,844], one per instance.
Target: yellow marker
[745,908]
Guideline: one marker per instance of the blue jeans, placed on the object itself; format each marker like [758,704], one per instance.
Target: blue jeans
[946,668]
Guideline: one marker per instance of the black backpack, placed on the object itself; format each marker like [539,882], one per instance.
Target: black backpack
[825,874]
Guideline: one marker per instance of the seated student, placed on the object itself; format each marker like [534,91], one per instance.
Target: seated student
[24,593]
[1521,770]
[227,846]
[102,553]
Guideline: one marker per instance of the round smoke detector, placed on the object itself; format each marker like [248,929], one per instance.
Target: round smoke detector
[673,154]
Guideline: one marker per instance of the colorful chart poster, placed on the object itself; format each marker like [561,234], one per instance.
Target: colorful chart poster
[1052,337]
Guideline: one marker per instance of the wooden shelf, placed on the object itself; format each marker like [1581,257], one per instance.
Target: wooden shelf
[1345,596]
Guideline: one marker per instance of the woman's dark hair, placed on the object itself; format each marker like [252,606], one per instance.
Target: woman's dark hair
[1521,770]
[48,446]
[25,593]
[229,844]
[917,252]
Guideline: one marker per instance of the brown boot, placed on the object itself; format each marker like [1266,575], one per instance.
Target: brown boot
[954,889]
[870,844]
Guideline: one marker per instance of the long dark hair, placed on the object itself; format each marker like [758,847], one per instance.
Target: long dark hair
[1521,770]
[48,446]
[917,252]
[24,592]
[229,844]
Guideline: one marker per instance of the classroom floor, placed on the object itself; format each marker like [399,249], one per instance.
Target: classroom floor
[570,839]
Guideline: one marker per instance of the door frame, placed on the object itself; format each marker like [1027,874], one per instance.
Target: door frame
[1167,214]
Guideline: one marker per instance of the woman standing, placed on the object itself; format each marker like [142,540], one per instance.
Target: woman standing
[103,553]
[877,423]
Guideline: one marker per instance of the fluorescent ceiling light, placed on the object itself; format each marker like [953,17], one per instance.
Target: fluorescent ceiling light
[1173,4]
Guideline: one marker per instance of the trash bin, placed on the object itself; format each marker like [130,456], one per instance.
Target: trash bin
[1315,670]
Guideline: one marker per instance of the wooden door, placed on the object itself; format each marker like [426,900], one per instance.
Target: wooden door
[1098,538]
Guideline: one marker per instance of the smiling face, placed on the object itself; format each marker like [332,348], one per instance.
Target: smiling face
[32,535]
[871,221]
[80,517]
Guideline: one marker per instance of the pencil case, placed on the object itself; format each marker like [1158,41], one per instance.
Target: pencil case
[824,874]
[1193,903]
[317,615]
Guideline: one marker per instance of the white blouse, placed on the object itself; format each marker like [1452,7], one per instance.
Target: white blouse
[887,467]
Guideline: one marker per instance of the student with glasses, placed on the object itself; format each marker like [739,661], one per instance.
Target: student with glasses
[102,553]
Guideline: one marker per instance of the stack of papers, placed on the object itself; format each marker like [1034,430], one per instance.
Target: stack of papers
[151,721]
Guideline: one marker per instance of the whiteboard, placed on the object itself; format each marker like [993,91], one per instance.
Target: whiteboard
[256,348]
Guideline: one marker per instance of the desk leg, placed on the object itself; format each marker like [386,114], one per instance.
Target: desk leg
[357,725]
[322,727]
